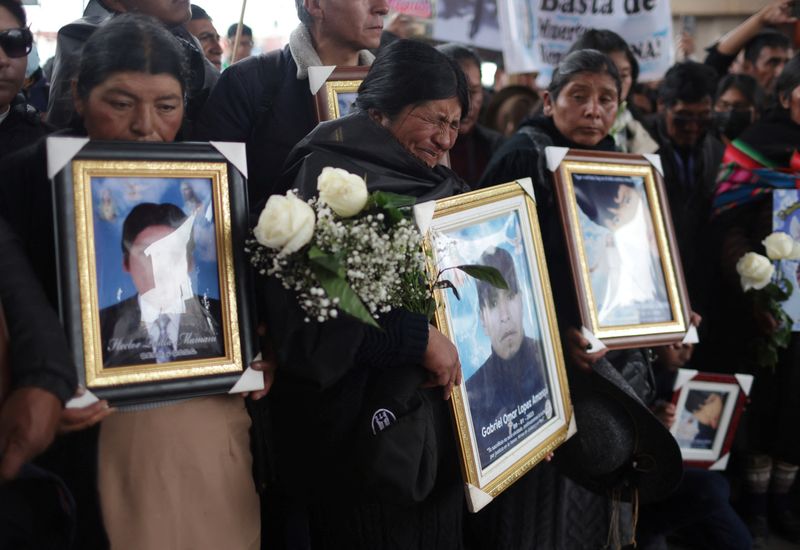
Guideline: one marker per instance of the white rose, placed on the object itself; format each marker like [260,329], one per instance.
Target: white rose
[755,271]
[286,223]
[344,192]
[779,246]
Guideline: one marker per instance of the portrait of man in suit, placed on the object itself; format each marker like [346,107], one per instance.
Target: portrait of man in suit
[165,320]
[509,396]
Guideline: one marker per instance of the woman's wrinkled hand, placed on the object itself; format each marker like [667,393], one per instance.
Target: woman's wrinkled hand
[441,362]
[577,350]
[73,420]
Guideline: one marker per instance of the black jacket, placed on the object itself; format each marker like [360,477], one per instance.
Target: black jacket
[32,322]
[261,102]
[22,127]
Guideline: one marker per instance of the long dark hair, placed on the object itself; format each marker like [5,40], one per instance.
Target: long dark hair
[409,72]
[607,42]
[130,42]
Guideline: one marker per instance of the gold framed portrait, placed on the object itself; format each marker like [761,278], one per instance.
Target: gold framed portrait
[513,407]
[337,96]
[625,261]
[153,274]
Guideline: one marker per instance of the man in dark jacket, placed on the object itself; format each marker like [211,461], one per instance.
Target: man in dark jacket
[72,37]
[266,101]
[690,157]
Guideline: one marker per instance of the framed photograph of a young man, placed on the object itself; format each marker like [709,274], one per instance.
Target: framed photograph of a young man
[152,271]
[337,95]
[707,411]
[625,262]
[513,406]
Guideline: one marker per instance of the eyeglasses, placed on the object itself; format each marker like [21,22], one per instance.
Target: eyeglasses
[683,121]
[16,42]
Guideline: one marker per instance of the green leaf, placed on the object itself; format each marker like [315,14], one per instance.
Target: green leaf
[326,261]
[450,285]
[349,302]
[388,201]
[485,273]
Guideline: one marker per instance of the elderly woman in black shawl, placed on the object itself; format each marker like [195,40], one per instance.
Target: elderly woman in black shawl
[357,487]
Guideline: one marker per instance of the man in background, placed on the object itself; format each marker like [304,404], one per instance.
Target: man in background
[246,44]
[202,27]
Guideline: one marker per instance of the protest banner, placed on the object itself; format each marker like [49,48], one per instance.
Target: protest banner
[536,34]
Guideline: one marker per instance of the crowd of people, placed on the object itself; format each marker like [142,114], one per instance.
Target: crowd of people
[290,466]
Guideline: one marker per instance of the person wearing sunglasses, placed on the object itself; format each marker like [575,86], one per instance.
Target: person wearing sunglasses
[690,156]
[19,123]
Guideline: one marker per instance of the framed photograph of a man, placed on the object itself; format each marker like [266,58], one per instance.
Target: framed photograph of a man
[626,266]
[337,96]
[707,411]
[153,274]
[513,407]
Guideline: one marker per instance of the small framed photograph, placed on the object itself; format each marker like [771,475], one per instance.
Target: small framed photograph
[707,411]
[337,96]
[625,262]
[153,276]
[513,407]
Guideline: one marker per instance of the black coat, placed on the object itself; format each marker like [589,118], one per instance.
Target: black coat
[21,128]
[327,372]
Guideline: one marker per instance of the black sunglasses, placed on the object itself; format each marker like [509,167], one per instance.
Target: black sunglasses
[16,42]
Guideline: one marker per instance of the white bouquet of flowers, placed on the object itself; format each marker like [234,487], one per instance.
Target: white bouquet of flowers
[348,250]
[763,279]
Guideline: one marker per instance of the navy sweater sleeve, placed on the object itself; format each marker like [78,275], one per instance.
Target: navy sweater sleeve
[39,353]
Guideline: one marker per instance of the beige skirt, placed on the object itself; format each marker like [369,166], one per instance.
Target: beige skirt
[179,477]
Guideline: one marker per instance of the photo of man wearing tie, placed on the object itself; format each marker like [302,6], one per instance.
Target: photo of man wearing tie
[165,320]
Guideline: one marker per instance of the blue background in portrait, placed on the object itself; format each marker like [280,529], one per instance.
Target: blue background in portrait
[114,198]
[346,102]
[504,231]
[787,201]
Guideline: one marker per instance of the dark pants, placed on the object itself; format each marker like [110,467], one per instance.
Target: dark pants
[36,512]
[701,505]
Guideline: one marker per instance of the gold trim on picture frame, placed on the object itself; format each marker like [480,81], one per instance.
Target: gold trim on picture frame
[342,80]
[333,89]
[678,322]
[98,376]
[469,464]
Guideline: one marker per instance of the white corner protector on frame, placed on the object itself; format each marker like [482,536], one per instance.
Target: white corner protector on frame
[318,75]
[655,160]
[527,185]
[573,426]
[250,380]
[477,498]
[60,151]
[691,336]
[595,345]
[554,156]
[423,215]
[745,382]
[88,398]
[684,375]
[235,152]
[721,464]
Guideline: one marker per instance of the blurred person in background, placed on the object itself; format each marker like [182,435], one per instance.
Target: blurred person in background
[20,124]
[202,27]
[246,43]
[736,105]
[476,143]
[510,106]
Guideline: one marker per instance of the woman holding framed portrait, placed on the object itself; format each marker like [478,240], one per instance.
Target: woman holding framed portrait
[162,467]
[580,107]
[335,459]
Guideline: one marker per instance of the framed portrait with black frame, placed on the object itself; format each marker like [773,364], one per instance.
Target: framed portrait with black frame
[335,89]
[513,407]
[153,277]
[708,407]
[625,262]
